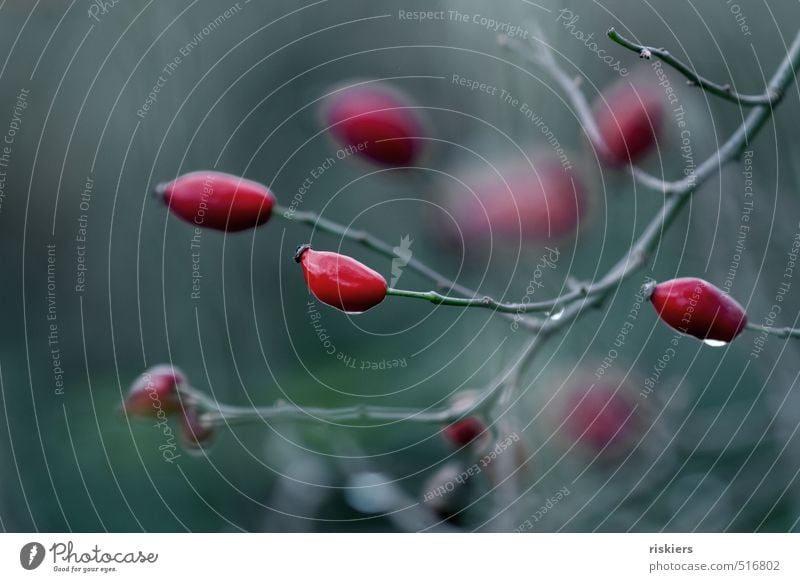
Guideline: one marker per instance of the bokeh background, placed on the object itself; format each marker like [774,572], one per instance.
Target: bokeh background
[716,446]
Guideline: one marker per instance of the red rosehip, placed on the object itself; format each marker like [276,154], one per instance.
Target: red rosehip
[464,432]
[155,390]
[537,204]
[629,119]
[341,281]
[194,433]
[377,122]
[216,200]
[600,417]
[698,308]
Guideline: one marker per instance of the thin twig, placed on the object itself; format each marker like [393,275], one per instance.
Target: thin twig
[784,332]
[769,97]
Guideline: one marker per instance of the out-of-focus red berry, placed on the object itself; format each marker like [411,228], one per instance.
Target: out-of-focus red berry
[155,390]
[464,431]
[217,200]
[341,281]
[698,308]
[518,202]
[599,416]
[629,118]
[377,122]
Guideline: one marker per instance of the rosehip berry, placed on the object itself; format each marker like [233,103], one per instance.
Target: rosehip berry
[377,122]
[194,433]
[464,432]
[155,390]
[341,281]
[629,119]
[600,417]
[536,204]
[698,308]
[216,200]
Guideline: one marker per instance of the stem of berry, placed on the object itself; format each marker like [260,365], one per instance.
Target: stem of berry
[785,332]
[485,302]
[724,91]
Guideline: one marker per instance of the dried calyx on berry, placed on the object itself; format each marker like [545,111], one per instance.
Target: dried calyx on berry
[696,307]
[340,281]
[217,200]
[155,392]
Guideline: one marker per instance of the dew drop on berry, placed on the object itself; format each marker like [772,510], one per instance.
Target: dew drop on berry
[715,343]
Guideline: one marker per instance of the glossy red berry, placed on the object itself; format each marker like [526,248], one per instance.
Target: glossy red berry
[217,200]
[376,122]
[464,432]
[629,118]
[341,281]
[600,417]
[195,434]
[155,392]
[698,308]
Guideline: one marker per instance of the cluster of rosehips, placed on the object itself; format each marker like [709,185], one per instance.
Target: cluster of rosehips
[381,125]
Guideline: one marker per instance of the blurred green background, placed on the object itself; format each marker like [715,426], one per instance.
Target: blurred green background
[723,451]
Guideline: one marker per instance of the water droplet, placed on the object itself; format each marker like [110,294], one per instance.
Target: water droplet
[370,492]
[557,315]
[715,343]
